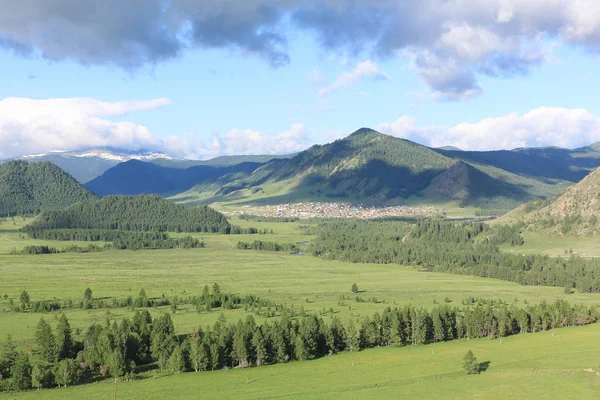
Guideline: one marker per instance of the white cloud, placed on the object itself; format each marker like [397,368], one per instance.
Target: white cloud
[544,126]
[240,142]
[31,126]
[315,78]
[365,69]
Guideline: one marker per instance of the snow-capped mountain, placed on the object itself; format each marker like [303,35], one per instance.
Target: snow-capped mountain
[85,165]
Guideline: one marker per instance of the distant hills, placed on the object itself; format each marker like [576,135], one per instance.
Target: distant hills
[373,168]
[28,188]
[365,167]
[86,165]
[137,177]
[576,210]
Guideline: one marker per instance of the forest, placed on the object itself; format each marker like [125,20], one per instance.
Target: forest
[118,350]
[467,248]
[139,213]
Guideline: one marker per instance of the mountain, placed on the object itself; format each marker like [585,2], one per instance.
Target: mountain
[28,188]
[373,168]
[87,164]
[576,210]
[138,177]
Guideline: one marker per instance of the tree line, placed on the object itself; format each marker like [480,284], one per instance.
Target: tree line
[118,349]
[267,246]
[467,248]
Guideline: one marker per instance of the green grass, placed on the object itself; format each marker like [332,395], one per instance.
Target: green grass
[554,245]
[537,366]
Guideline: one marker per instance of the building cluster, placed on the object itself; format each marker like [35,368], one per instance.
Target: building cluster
[335,210]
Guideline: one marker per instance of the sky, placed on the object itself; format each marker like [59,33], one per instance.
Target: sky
[203,78]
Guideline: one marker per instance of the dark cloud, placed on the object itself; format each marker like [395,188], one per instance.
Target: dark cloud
[450,42]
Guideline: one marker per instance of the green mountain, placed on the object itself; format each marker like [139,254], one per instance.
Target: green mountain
[373,168]
[138,177]
[136,213]
[28,188]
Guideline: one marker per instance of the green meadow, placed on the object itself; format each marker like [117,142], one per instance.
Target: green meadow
[546,365]
[540,365]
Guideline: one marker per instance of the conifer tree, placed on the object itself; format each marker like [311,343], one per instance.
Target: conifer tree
[45,340]
[64,338]
[470,363]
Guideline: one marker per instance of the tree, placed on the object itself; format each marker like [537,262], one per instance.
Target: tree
[45,340]
[24,300]
[470,363]
[354,288]
[352,337]
[87,295]
[177,360]
[199,355]
[260,347]
[21,371]
[216,289]
[162,339]
[64,338]
[65,372]
[41,377]
[116,364]
[7,357]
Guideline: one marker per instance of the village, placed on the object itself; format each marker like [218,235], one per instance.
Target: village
[309,210]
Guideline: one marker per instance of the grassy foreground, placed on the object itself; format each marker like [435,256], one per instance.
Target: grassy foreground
[538,366]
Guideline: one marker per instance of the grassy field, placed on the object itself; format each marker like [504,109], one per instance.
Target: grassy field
[537,365]
[554,245]
[559,365]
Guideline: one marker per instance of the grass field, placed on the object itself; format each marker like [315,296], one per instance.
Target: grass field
[535,366]
[554,245]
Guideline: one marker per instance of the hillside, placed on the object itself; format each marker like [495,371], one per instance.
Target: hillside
[138,213]
[576,210]
[137,177]
[28,188]
[373,168]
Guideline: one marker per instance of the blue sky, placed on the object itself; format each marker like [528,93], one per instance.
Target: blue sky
[475,82]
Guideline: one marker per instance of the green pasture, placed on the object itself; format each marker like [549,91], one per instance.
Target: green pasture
[547,365]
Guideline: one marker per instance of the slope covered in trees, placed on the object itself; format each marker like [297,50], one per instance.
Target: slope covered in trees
[576,210]
[28,188]
[137,213]
[373,168]
[138,177]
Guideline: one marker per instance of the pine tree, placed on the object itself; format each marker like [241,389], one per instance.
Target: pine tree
[21,371]
[354,288]
[116,364]
[260,347]
[352,337]
[470,363]
[45,340]
[25,302]
[41,377]
[7,357]
[162,339]
[64,338]
[87,295]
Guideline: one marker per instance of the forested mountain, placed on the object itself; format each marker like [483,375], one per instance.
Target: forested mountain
[138,213]
[138,177]
[370,167]
[28,188]
[576,210]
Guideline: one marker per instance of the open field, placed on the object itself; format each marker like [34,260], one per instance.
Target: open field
[538,366]
[554,245]
[302,281]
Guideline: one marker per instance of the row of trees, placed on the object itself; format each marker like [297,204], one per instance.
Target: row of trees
[117,349]
[267,246]
[460,248]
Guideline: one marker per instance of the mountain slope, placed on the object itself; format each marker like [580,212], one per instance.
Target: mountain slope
[373,168]
[576,210]
[137,177]
[27,188]
[137,213]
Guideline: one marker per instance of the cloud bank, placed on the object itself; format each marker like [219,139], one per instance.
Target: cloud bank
[544,126]
[450,43]
[30,126]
